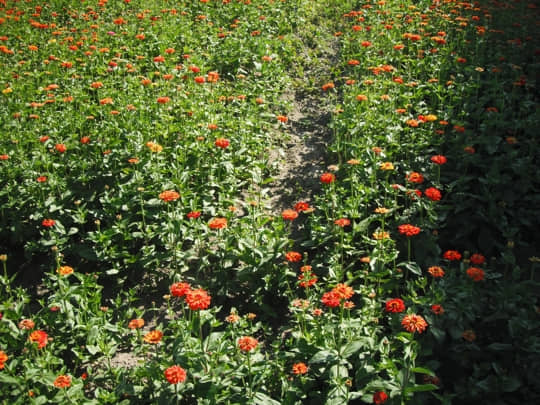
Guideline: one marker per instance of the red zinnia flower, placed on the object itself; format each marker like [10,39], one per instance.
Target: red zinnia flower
[247,343]
[342,222]
[222,143]
[408,230]
[47,223]
[433,194]
[395,305]
[414,323]
[327,178]
[475,274]
[60,147]
[293,256]
[197,299]
[62,381]
[452,255]
[380,397]
[331,299]
[3,358]
[438,159]
[437,309]
[41,179]
[175,374]
[301,206]
[179,289]
[299,368]
[193,214]
[477,259]
[163,100]
[282,118]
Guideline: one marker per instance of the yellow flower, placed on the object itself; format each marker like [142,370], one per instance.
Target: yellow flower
[7,91]
[386,166]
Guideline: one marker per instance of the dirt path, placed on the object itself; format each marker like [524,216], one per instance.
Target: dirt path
[304,155]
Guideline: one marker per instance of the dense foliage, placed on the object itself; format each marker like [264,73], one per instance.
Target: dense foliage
[144,258]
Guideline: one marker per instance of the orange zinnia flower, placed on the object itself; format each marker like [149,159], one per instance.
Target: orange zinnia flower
[327,178]
[299,368]
[136,323]
[218,223]
[247,343]
[414,323]
[197,299]
[169,195]
[289,215]
[293,257]
[475,273]
[62,381]
[179,289]
[436,271]
[40,337]
[343,291]
[64,270]
[222,143]
[153,337]
[3,358]
[175,374]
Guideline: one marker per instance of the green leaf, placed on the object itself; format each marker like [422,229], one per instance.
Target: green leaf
[323,356]
[422,370]
[264,399]
[500,347]
[7,379]
[420,388]
[350,348]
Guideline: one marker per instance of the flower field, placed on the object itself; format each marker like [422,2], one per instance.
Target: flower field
[269,202]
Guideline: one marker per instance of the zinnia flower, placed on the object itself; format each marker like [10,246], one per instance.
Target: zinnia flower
[343,291]
[452,255]
[436,271]
[47,223]
[331,299]
[197,299]
[475,274]
[387,166]
[293,256]
[136,323]
[222,143]
[218,223]
[247,343]
[301,206]
[327,178]
[414,323]
[289,215]
[169,195]
[433,194]
[40,337]
[299,368]
[380,397]
[394,305]
[153,337]
[342,222]
[408,230]
[62,381]
[64,270]
[437,309]
[193,214]
[477,259]
[175,374]
[3,358]
[26,324]
[438,159]
[180,289]
[415,177]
